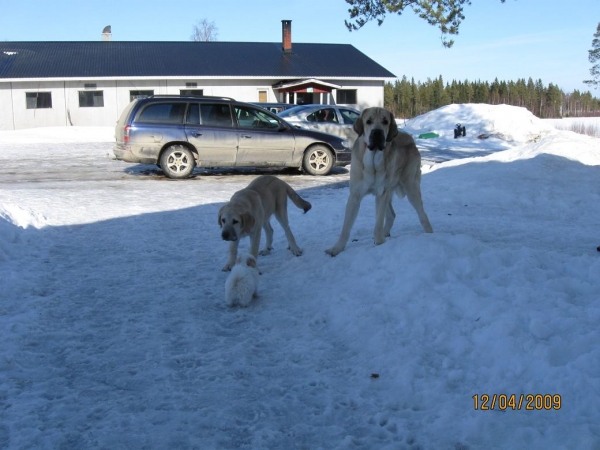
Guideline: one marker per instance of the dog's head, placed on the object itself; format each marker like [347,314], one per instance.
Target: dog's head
[234,224]
[247,260]
[376,127]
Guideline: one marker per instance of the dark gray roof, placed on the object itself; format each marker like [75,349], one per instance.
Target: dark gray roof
[193,59]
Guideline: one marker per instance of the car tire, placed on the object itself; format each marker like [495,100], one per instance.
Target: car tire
[318,160]
[177,162]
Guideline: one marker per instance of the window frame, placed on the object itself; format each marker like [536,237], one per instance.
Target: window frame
[341,96]
[91,95]
[39,97]
[140,93]
[191,92]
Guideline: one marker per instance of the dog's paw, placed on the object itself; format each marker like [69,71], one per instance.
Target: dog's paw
[296,251]
[266,251]
[379,241]
[333,251]
[227,267]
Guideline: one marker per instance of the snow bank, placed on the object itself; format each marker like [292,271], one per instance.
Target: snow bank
[51,135]
[505,122]
[566,144]
[21,217]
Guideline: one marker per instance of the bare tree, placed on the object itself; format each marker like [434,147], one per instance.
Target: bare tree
[204,31]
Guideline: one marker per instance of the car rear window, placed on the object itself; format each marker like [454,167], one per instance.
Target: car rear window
[125,115]
[163,113]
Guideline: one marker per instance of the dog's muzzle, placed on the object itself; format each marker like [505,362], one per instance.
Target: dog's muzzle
[227,236]
[376,140]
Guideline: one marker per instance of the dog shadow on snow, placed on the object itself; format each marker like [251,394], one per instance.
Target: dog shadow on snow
[170,254]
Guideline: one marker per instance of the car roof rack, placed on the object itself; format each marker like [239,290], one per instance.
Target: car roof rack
[212,97]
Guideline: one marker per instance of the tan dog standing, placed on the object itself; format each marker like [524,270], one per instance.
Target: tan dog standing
[249,211]
[384,160]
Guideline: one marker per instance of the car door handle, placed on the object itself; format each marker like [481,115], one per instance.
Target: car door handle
[197,134]
[246,136]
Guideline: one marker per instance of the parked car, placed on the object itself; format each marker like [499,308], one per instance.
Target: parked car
[333,119]
[275,107]
[179,133]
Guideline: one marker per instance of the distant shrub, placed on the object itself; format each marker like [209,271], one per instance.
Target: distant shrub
[589,129]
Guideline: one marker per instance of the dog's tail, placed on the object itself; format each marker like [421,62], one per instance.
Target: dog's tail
[297,200]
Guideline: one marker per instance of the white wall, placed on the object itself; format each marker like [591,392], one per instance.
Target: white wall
[66,111]
[6,108]
[21,117]
[91,116]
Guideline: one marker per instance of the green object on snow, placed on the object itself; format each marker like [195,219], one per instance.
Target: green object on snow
[428,135]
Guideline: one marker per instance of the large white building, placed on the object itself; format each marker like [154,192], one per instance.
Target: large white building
[89,83]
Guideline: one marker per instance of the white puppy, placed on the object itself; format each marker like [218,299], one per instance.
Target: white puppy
[242,284]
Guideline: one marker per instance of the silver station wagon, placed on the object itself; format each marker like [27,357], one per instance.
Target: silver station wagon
[180,133]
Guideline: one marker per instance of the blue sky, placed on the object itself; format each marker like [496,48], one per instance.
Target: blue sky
[542,39]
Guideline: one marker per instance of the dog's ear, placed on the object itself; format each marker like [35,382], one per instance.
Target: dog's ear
[358,125]
[251,262]
[219,216]
[248,222]
[393,129]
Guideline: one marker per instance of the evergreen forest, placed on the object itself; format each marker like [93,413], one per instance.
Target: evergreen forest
[409,99]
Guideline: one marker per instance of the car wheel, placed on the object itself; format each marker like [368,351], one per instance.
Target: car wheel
[318,160]
[177,162]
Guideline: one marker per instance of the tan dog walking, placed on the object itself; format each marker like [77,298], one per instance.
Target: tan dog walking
[250,210]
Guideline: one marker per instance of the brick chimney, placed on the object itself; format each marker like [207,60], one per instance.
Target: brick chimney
[286,26]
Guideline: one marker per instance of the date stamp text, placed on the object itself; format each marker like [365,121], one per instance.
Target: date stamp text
[527,402]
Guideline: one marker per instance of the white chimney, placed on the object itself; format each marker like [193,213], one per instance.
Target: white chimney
[106,34]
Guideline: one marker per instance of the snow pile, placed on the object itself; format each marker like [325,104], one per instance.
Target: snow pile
[21,217]
[55,135]
[566,144]
[505,122]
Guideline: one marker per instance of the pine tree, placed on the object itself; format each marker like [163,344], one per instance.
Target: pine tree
[594,57]
[447,15]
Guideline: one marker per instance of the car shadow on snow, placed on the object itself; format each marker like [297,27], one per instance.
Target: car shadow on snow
[141,170]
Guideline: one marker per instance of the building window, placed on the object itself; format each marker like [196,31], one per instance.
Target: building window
[346,96]
[304,98]
[192,92]
[38,100]
[89,99]
[140,94]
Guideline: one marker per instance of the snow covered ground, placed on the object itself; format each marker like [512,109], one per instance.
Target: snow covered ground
[115,334]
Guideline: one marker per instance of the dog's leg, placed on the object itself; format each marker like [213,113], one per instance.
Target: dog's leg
[282,217]
[390,215]
[269,234]
[413,193]
[382,205]
[233,249]
[255,241]
[352,208]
